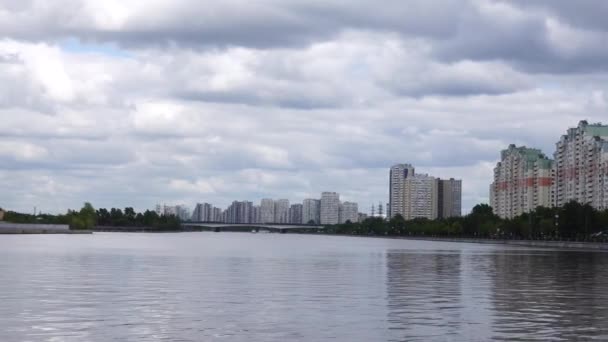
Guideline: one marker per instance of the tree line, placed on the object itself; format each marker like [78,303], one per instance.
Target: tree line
[88,218]
[572,221]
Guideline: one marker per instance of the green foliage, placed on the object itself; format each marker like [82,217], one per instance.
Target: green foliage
[129,218]
[569,222]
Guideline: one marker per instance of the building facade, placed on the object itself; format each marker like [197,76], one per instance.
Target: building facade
[295,213]
[581,166]
[349,212]
[449,198]
[397,176]
[522,182]
[420,197]
[281,211]
[267,210]
[330,208]
[311,211]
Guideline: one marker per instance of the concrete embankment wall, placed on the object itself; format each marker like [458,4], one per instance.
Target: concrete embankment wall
[25,228]
[525,243]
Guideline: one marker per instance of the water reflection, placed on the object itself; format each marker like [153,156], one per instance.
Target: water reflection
[273,287]
[516,295]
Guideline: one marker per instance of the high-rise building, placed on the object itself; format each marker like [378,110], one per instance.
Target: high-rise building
[522,182]
[281,211]
[217,215]
[256,214]
[295,213]
[581,166]
[311,211]
[449,201]
[349,211]
[398,174]
[267,210]
[203,212]
[420,197]
[330,208]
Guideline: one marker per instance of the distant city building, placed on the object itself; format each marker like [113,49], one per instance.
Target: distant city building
[398,174]
[330,208]
[311,211]
[257,214]
[349,211]
[267,210]
[581,166]
[449,198]
[420,197]
[522,182]
[180,211]
[295,213]
[281,211]
[203,212]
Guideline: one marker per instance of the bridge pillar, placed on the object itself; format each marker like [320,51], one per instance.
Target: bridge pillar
[217,230]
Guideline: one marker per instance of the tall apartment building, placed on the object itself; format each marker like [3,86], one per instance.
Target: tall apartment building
[267,210]
[330,208]
[420,197]
[256,214]
[398,174]
[449,198]
[239,212]
[581,166]
[522,182]
[281,211]
[217,215]
[311,210]
[349,211]
[203,212]
[295,213]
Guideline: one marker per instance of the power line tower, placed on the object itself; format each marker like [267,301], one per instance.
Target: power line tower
[380,211]
[373,211]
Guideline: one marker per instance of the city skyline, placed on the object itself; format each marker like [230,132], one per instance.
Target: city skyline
[106,104]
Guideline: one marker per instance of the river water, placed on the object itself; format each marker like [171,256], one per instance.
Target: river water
[273,287]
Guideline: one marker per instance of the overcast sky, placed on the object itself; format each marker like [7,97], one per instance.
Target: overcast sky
[133,103]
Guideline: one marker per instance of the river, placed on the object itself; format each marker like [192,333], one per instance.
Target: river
[288,287]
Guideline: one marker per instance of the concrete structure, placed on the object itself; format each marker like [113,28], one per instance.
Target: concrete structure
[420,197]
[349,211]
[449,198]
[27,228]
[398,174]
[295,214]
[203,212]
[256,216]
[330,208]
[522,182]
[281,211]
[581,166]
[311,211]
[267,210]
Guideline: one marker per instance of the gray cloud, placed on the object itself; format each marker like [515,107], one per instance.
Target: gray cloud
[236,100]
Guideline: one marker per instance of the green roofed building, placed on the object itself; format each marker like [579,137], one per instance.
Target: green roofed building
[581,166]
[522,182]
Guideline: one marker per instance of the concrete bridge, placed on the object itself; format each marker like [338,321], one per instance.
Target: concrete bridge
[247,227]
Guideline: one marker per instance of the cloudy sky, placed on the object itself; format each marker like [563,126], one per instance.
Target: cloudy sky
[133,103]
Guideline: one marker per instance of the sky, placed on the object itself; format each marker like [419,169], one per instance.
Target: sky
[132,103]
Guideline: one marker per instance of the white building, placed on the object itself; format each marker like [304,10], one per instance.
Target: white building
[267,210]
[330,208]
[581,166]
[349,211]
[311,210]
[522,182]
[420,197]
[281,211]
[398,174]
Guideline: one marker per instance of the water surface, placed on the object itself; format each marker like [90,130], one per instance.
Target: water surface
[272,287]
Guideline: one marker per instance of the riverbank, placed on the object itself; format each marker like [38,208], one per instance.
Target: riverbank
[596,246]
[28,228]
